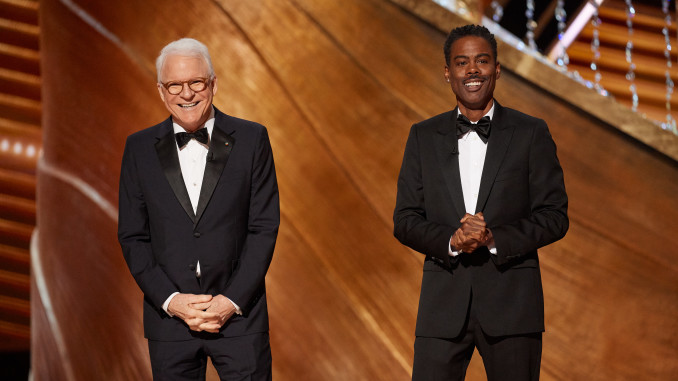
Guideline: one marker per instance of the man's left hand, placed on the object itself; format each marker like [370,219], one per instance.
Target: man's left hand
[224,309]
[473,233]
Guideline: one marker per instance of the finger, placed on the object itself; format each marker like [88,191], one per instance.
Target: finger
[475,229]
[472,229]
[199,316]
[470,248]
[468,242]
[474,224]
[472,232]
[194,325]
[476,219]
[200,306]
[466,217]
[473,238]
[207,315]
[215,306]
[202,298]
[210,327]
[458,239]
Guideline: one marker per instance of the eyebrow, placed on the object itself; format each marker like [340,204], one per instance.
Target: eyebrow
[477,56]
[188,80]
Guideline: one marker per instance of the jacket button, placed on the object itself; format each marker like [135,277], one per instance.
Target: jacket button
[196,235]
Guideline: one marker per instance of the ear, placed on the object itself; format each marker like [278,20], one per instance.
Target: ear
[162,94]
[447,73]
[498,70]
[214,85]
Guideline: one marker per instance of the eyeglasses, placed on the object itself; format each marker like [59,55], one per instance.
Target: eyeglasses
[195,84]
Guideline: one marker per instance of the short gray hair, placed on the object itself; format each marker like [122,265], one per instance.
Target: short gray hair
[184,47]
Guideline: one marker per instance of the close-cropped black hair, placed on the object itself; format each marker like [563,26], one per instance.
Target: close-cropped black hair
[469,30]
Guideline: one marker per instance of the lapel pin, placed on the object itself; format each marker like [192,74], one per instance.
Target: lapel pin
[226,144]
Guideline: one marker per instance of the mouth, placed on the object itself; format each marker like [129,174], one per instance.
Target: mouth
[188,105]
[472,83]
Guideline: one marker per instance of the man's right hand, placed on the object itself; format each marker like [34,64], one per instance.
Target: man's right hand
[472,233]
[190,309]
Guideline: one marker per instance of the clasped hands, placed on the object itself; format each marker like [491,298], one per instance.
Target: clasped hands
[472,234]
[202,312]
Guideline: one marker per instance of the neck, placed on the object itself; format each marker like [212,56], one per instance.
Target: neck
[199,125]
[474,114]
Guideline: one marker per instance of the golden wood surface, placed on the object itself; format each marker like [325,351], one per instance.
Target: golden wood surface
[647,56]
[338,86]
[20,137]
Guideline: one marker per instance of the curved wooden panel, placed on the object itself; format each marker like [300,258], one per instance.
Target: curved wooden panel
[338,85]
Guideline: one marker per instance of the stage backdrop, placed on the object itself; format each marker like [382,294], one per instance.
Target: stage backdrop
[338,84]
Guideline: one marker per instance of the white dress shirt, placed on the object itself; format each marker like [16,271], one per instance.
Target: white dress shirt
[192,159]
[472,151]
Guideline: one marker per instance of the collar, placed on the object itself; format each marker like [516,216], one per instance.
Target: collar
[209,124]
[489,114]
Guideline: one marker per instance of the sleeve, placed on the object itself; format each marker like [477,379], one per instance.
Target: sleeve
[262,229]
[165,305]
[547,220]
[410,225]
[135,237]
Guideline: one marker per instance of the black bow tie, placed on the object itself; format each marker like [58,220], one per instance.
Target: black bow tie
[200,135]
[482,128]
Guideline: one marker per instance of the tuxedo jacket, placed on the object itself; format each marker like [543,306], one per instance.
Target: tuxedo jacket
[232,234]
[522,196]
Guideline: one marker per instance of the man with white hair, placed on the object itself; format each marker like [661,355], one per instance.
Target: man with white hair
[198,221]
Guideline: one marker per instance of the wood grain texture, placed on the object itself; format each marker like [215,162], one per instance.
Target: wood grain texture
[338,86]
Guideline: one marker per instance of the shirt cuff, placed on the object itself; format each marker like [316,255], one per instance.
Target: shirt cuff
[493,249]
[237,309]
[450,251]
[167,302]
[454,253]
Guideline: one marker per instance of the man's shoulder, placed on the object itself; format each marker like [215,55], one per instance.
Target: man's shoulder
[435,121]
[519,118]
[232,124]
[150,132]
[240,121]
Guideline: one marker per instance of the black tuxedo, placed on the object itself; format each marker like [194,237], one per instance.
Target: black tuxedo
[522,196]
[232,234]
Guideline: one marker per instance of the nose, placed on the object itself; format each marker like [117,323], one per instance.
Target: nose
[472,67]
[186,91]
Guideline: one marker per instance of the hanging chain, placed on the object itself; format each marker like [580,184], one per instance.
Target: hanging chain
[531,25]
[561,16]
[670,123]
[498,11]
[595,47]
[631,74]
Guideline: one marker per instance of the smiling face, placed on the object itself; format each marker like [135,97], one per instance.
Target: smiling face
[472,73]
[189,109]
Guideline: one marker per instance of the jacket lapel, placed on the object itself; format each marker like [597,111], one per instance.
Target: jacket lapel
[448,153]
[497,146]
[221,144]
[166,149]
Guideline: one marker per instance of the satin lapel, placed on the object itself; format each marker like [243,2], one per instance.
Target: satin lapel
[497,146]
[221,144]
[447,146]
[166,148]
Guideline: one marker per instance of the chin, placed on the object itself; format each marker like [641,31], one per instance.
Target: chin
[190,119]
[477,104]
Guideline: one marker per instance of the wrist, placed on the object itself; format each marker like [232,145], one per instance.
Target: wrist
[489,238]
